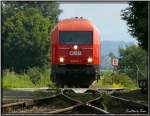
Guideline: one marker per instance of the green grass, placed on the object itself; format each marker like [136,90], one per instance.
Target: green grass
[35,78]
[115,80]
[10,79]
[13,80]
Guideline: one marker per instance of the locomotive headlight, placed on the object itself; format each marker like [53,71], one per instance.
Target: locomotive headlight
[89,60]
[61,59]
[75,47]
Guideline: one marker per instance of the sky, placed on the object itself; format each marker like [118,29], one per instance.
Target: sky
[106,18]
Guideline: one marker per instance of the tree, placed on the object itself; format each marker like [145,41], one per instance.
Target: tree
[136,16]
[130,58]
[111,55]
[48,9]
[25,40]
[26,28]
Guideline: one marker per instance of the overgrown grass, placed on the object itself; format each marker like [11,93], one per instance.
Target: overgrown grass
[10,79]
[35,78]
[115,80]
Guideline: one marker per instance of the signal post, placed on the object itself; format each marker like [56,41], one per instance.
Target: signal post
[114,63]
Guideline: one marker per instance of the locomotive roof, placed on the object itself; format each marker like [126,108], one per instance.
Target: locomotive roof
[75,24]
[75,18]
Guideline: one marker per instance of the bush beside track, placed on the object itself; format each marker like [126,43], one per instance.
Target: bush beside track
[115,80]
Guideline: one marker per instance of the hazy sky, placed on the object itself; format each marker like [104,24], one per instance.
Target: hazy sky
[106,17]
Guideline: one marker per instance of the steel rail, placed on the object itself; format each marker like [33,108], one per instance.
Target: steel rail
[10,106]
[131,102]
[77,105]
[96,99]
[87,104]
[64,109]
[111,90]
[62,92]
[132,105]
[99,109]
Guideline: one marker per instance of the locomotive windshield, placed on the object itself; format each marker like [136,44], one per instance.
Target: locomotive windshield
[75,37]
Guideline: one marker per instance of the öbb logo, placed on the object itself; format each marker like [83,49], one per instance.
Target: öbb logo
[75,53]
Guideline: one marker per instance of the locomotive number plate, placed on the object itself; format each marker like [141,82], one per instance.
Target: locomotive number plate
[75,53]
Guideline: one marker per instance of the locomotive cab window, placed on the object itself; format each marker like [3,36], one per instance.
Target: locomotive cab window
[75,37]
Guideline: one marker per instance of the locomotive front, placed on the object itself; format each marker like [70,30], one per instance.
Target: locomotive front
[75,53]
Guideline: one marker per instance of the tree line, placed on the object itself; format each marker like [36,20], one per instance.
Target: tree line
[26,28]
[136,17]
[135,58]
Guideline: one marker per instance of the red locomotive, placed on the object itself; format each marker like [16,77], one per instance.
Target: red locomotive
[75,52]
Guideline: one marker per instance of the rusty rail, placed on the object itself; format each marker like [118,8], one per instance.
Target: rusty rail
[78,105]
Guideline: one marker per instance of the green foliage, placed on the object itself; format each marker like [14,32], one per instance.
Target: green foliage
[130,58]
[25,40]
[136,16]
[115,80]
[48,9]
[34,74]
[26,29]
[13,80]
[111,55]
[10,79]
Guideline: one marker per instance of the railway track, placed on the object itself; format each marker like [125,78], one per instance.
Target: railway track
[67,101]
[131,106]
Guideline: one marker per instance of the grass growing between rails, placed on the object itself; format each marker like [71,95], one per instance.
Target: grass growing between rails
[33,78]
[115,80]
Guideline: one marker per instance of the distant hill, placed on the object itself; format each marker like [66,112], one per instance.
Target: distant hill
[108,47]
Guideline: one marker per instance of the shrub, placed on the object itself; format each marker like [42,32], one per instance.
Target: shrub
[34,74]
[114,85]
[115,80]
